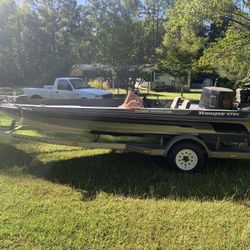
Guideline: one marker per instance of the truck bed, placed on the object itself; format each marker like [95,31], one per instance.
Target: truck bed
[43,92]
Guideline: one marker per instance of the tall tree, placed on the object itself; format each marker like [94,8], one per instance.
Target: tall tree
[8,38]
[58,21]
[207,34]
[42,39]
[116,33]
[153,18]
[181,44]
[229,55]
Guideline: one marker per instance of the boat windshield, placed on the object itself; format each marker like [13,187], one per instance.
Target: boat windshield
[79,84]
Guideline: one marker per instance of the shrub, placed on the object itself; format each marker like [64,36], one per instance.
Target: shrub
[98,84]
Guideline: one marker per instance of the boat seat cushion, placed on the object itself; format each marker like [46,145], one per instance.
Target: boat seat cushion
[185,104]
[132,101]
[175,102]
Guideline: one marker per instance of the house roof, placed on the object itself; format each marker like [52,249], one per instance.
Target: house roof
[93,69]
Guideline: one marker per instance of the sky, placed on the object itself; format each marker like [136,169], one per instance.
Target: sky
[78,1]
[81,1]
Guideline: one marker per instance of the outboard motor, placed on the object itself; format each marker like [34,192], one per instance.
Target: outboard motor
[216,98]
[243,96]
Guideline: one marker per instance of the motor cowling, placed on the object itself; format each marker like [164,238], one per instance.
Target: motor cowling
[216,98]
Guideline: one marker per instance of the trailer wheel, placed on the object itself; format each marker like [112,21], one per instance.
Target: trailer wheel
[186,157]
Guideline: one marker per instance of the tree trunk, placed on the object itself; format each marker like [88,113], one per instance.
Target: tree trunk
[189,80]
[182,90]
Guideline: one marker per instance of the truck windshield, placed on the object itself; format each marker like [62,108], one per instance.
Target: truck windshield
[79,84]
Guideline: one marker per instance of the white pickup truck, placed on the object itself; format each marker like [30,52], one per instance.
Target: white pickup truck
[67,88]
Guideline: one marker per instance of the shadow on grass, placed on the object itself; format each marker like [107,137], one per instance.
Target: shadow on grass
[140,176]
[11,157]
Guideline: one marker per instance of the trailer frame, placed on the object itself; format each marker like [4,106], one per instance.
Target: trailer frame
[164,148]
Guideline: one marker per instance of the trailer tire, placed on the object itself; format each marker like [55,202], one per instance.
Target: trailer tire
[187,157]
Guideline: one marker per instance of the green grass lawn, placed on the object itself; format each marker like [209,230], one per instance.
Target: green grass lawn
[172,95]
[66,198]
[58,197]
[4,120]
[192,95]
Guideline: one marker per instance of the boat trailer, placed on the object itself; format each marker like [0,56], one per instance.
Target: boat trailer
[186,153]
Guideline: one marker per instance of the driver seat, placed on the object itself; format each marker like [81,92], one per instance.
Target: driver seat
[175,102]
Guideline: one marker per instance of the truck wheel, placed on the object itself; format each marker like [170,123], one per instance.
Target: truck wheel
[36,97]
[186,157]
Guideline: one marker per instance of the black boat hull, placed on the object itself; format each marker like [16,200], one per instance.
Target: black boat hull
[145,121]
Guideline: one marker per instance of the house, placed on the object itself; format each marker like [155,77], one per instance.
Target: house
[201,82]
[91,71]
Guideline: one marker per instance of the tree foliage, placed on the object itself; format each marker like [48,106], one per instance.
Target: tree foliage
[211,36]
[42,39]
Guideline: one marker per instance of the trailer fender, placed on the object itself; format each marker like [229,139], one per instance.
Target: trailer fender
[180,138]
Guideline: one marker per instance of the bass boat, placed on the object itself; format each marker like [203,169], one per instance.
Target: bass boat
[215,113]
[186,132]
